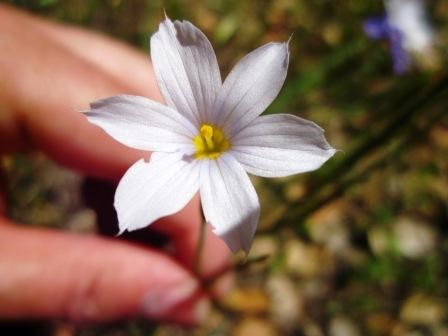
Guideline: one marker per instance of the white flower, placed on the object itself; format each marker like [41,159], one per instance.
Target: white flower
[208,136]
[409,17]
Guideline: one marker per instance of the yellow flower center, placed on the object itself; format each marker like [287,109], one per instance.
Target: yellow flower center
[210,143]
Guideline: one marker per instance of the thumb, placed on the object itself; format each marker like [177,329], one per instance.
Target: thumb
[48,274]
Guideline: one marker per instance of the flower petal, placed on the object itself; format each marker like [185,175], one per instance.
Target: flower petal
[141,123]
[186,68]
[281,145]
[251,87]
[229,201]
[149,191]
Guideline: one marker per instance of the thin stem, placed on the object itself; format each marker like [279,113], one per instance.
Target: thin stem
[200,247]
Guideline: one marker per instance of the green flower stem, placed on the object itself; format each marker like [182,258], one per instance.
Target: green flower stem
[200,247]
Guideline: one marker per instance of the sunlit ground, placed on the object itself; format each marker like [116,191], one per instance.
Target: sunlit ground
[357,248]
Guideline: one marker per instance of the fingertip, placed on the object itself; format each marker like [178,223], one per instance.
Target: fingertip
[91,279]
[185,304]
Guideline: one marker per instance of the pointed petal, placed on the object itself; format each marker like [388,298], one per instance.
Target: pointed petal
[141,123]
[281,145]
[186,68]
[149,191]
[229,201]
[251,87]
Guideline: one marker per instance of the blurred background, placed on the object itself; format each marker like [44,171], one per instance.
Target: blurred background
[358,247]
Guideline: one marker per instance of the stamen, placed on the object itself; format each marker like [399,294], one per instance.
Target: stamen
[210,143]
[207,133]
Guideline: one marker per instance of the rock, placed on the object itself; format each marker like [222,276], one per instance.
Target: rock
[264,245]
[414,239]
[343,326]
[411,238]
[327,226]
[420,309]
[287,305]
[255,327]
[307,260]
[247,301]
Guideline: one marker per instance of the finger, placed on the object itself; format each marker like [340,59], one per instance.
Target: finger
[182,228]
[117,59]
[45,94]
[55,275]
[130,66]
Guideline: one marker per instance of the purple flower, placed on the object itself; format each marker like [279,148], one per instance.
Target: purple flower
[405,27]
[378,28]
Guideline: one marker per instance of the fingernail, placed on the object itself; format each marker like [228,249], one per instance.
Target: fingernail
[193,313]
[159,301]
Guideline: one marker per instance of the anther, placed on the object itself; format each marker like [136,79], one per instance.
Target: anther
[207,134]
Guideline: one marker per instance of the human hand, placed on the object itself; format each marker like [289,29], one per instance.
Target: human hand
[49,72]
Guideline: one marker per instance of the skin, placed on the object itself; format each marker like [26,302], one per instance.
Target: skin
[49,72]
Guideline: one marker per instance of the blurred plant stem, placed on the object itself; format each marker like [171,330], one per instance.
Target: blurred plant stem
[413,114]
[315,76]
[200,246]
